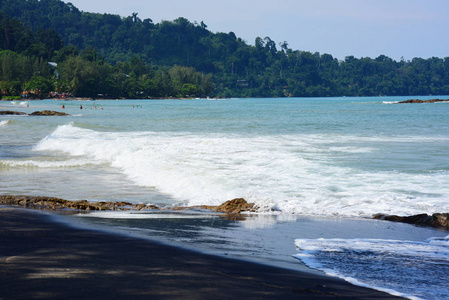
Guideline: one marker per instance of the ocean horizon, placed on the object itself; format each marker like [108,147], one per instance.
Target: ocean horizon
[317,168]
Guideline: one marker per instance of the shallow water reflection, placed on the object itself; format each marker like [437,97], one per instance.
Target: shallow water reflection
[268,239]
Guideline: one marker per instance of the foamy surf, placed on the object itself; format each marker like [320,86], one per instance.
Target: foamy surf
[283,173]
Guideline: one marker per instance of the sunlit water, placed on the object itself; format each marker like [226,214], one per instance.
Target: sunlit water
[327,157]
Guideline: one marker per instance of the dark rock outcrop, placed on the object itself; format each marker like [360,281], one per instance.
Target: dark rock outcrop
[235,206]
[438,220]
[144,206]
[423,101]
[36,113]
[57,203]
[10,112]
[48,113]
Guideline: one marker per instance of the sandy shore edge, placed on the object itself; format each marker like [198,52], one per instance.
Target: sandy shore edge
[42,259]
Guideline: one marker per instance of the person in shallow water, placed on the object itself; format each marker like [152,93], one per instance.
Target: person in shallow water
[81,107]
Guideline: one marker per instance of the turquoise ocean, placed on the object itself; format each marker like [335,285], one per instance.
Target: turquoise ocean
[317,168]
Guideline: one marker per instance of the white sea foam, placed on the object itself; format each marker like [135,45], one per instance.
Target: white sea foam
[4,122]
[70,163]
[386,262]
[434,248]
[288,173]
[143,215]
[21,103]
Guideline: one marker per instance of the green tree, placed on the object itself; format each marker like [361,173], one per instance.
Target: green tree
[82,76]
[39,87]
[125,56]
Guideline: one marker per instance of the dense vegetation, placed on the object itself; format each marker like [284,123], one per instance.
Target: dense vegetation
[104,54]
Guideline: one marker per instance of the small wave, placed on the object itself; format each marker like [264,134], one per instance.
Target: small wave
[382,264]
[390,102]
[348,149]
[21,103]
[5,122]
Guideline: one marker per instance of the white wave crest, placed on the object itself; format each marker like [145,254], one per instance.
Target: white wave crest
[288,173]
[5,122]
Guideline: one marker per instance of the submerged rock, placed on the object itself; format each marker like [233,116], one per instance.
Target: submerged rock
[10,112]
[48,113]
[438,220]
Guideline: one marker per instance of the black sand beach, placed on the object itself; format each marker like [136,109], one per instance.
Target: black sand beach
[41,259]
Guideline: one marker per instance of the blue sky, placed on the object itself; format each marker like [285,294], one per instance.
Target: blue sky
[363,28]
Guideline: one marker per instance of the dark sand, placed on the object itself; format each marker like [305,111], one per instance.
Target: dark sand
[41,259]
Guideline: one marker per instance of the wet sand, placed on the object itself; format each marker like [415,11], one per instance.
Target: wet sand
[41,259]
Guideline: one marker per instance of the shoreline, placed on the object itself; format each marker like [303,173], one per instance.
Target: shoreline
[230,209]
[42,258]
[109,99]
[73,98]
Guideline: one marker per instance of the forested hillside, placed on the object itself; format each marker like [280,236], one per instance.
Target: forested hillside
[114,56]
